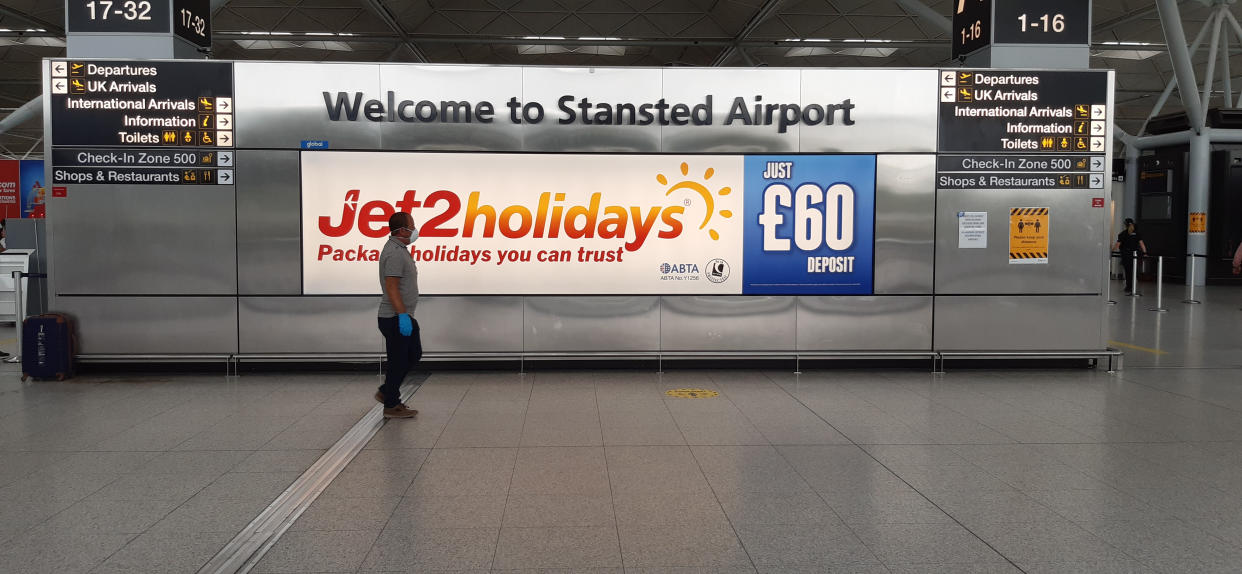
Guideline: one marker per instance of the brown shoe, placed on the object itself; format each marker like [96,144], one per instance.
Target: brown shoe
[379,397]
[399,412]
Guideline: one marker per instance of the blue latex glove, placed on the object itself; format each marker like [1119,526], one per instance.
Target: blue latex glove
[406,324]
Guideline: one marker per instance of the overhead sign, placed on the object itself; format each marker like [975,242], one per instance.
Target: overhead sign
[1028,236]
[1042,22]
[192,21]
[126,16]
[972,26]
[583,224]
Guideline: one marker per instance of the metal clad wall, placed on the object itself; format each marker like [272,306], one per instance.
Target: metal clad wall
[893,114]
[182,243]
[269,230]
[308,325]
[1027,323]
[691,85]
[598,324]
[893,323]
[279,104]
[146,240]
[734,323]
[449,83]
[469,324]
[599,86]
[904,234]
[1075,241]
[154,325]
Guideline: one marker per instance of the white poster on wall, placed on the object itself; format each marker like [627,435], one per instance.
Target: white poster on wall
[526,223]
[972,230]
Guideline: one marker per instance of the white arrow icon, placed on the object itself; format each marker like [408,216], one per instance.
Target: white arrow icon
[224,121]
[1097,128]
[59,87]
[948,95]
[224,138]
[1097,164]
[58,69]
[946,78]
[225,159]
[226,177]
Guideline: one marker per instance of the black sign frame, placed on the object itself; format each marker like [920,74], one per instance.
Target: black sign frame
[1061,22]
[972,26]
[192,21]
[118,16]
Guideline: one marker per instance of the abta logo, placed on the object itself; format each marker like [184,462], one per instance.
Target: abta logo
[666,268]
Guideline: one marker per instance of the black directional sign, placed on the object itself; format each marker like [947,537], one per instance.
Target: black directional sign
[1023,130]
[141,122]
[1008,111]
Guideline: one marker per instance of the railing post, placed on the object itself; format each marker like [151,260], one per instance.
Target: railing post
[1159,308]
[1108,285]
[1134,278]
[19,309]
[1193,263]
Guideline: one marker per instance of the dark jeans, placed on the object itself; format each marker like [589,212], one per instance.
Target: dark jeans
[403,353]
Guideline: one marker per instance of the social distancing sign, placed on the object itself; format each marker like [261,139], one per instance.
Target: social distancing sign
[1028,236]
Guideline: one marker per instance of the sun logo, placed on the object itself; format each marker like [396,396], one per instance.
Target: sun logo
[701,189]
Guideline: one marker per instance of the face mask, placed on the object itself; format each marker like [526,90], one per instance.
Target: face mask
[413,233]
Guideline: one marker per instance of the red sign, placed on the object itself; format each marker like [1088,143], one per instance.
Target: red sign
[10,176]
[1097,202]
[59,191]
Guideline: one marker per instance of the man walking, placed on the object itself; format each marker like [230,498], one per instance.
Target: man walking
[399,282]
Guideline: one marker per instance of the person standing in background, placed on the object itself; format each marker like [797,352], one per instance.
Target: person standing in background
[1237,260]
[399,283]
[1129,242]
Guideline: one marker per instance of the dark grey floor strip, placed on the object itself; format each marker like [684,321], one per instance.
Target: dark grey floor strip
[245,550]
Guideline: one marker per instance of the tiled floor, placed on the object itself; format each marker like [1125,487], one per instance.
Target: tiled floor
[829,471]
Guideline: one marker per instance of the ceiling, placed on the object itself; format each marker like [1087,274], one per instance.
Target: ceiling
[792,33]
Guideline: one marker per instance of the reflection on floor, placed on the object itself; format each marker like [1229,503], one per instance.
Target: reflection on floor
[830,471]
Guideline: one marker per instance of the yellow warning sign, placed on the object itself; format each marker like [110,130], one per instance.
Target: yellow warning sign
[1028,236]
[692,393]
[1198,222]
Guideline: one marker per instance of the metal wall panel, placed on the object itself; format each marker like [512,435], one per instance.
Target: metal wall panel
[750,323]
[308,325]
[592,324]
[153,325]
[1019,323]
[269,231]
[280,104]
[471,324]
[435,84]
[600,86]
[1076,240]
[900,323]
[896,110]
[905,229]
[145,240]
[692,85]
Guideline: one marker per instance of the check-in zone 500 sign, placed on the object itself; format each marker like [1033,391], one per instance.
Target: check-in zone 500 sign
[592,224]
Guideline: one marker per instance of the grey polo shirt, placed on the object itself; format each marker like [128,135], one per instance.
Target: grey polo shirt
[395,261]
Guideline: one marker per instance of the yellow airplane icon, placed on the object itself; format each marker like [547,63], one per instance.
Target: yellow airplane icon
[206,103]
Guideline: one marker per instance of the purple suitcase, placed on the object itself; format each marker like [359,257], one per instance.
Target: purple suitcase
[47,347]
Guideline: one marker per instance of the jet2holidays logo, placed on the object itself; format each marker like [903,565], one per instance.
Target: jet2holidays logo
[809,225]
